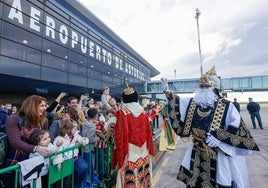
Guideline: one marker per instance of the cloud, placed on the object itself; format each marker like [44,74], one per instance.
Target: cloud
[233,34]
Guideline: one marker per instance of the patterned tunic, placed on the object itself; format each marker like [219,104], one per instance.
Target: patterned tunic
[202,165]
[134,148]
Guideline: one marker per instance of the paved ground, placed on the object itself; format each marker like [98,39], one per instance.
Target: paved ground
[165,172]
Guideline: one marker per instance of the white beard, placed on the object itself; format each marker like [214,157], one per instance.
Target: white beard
[205,97]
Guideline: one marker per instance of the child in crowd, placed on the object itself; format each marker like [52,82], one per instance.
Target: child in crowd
[113,104]
[42,138]
[109,154]
[68,134]
[66,113]
[101,145]
[89,131]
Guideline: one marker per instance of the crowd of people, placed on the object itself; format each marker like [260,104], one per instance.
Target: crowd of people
[118,137]
[42,129]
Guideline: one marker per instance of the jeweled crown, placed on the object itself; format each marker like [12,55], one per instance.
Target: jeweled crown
[128,90]
[210,78]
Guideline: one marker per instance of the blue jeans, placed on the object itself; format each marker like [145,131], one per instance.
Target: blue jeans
[257,115]
[91,171]
[80,168]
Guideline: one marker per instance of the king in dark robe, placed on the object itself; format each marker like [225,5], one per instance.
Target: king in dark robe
[220,139]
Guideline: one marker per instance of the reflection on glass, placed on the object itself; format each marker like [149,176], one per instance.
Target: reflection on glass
[54,62]
[106,78]
[77,80]
[77,58]
[54,49]
[53,75]
[78,69]
[29,45]
[94,74]
[19,68]
[257,82]
[18,51]
[94,83]
[11,32]
[265,81]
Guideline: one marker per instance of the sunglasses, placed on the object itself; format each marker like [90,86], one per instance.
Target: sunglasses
[65,111]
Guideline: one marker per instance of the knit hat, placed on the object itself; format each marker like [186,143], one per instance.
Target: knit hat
[129,95]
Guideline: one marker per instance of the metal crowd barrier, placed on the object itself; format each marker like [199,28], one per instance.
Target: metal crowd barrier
[54,175]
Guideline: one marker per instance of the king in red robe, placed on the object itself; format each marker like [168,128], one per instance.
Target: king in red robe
[134,144]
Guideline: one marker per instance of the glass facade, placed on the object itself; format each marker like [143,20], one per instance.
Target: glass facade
[40,41]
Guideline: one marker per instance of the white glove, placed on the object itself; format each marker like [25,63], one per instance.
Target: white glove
[164,84]
[212,141]
[101,118]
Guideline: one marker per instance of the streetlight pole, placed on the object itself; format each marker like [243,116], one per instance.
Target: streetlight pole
[200,55]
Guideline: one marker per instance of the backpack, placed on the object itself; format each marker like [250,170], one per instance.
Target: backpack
[4,145]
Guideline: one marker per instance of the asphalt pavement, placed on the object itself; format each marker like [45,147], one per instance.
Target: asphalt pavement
[165,171]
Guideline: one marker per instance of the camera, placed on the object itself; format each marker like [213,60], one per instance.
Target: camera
[87,98]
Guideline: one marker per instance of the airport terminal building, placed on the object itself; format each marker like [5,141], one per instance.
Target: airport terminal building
[49,46]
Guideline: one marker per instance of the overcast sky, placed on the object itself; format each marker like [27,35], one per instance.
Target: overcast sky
[233,34]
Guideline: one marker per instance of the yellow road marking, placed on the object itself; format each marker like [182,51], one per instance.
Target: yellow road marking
[156,177]
[164,163]
[157,157]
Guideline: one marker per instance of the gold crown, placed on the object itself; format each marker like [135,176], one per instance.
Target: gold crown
[209,78]
[128,91]
[212,72]
[204,80]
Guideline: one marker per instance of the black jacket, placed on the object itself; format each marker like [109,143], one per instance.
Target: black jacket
[253,107]
[3,117]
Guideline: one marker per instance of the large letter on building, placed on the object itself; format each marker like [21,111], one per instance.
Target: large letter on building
[15,11]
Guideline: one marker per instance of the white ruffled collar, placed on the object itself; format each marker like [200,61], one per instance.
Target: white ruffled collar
[134,107]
